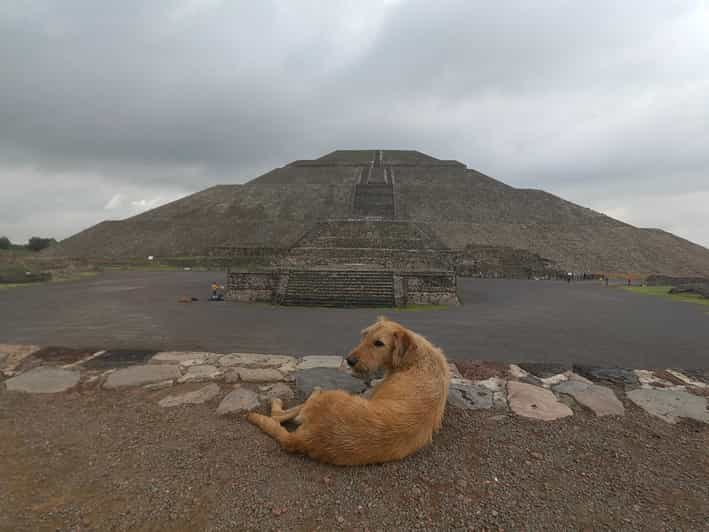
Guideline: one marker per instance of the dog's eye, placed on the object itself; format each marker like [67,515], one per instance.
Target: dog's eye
[378,343]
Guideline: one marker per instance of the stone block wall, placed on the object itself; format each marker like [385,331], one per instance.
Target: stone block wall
[429,288]
[387,259]
[249,286]
[503,262]
[409,288]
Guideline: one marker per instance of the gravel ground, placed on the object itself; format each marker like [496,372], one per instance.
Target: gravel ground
[117,461]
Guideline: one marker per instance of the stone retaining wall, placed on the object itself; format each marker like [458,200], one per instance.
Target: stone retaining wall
[410,288]
[428,288]
[390,259]
[250,286]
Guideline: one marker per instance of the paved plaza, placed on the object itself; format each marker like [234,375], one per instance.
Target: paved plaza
[505,320]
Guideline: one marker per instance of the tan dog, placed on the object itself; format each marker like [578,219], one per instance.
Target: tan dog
[401,416]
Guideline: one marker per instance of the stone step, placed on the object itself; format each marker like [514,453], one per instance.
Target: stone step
[340,288]
[303,302]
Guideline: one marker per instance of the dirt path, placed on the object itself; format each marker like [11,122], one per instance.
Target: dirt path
[117,461]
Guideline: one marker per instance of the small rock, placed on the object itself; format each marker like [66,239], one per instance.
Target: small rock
[139,375]
[260,375]
[200,374]
[178,357]
[200,396]
[255,360]
[159,385]
[237,401]
[317,361]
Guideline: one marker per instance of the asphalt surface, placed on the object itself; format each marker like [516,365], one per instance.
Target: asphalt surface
[504,320]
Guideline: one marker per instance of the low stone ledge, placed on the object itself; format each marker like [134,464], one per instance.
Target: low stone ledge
[44,380]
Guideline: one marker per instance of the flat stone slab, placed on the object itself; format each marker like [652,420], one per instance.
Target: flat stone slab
[239,400]
[139,375]
[44,380]
[470,396]
[177,357]
[327,379]
[255,360]
[197,397]
[260,375]
[621,376]
[311,362]
[600,399]
[544,370]
[534,402]
[670,405]
[201,373]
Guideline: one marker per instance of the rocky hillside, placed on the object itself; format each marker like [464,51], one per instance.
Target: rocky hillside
[458,206]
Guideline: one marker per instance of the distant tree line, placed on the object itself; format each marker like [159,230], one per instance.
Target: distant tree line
[33,244]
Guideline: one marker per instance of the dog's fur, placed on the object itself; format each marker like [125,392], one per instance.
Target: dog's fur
[401,416]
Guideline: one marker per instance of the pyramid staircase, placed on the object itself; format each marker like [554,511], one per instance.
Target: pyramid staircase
[340,288]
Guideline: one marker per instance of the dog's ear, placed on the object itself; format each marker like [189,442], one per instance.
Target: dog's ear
[382,318]
[402,344]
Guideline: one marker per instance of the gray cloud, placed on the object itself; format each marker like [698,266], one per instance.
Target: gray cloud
[604,103]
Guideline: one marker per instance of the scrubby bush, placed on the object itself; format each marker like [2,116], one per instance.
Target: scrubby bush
[5,242]
[38,244]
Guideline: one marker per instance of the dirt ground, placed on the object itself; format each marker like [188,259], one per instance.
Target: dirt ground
[117,461]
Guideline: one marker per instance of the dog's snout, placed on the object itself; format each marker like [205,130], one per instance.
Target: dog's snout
[352,360]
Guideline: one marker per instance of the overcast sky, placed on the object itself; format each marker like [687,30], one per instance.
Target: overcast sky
[110,108]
